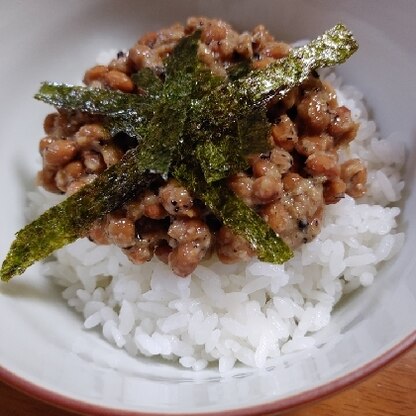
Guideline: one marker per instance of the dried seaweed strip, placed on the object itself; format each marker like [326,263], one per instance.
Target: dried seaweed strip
[334,47]
[69,220]
[234,213]
[123,112]
[165,131]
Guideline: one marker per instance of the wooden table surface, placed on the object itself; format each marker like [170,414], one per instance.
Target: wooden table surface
[389,392]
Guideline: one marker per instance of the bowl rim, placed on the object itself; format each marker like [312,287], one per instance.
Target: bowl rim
[68,403]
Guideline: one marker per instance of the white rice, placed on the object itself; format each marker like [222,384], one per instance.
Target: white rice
[246,313]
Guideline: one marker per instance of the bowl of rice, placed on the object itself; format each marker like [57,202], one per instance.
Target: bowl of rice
[99,329]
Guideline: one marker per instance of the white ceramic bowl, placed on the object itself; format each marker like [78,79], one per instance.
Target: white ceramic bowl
[57,40]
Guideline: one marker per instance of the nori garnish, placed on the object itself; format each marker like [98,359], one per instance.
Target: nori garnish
[195,126]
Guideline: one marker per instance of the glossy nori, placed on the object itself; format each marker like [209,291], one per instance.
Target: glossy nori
[123,112]
[195,126]
[334,47]
[165,132]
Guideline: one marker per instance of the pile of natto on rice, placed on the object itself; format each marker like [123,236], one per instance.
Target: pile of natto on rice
[228,194]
